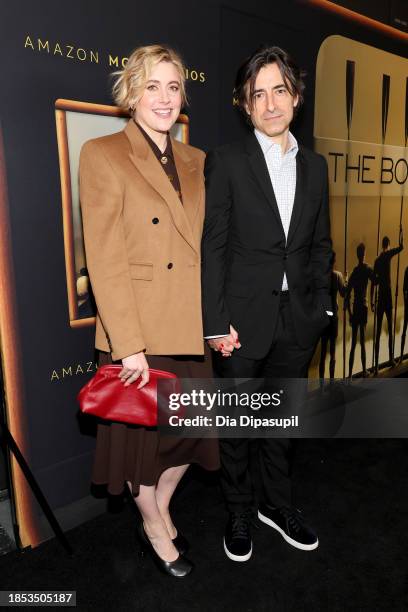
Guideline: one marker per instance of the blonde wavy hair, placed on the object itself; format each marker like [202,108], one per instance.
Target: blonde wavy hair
[130,82]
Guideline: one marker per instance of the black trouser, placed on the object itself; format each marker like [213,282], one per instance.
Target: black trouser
[286,359]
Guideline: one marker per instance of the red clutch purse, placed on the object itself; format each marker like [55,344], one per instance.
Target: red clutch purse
[106,397]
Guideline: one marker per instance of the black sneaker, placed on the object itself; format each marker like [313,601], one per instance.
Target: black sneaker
[237,540]
[290,524]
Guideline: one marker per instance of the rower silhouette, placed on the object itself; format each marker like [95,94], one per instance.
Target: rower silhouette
[404,327]
[382,269]
[329,336]
[357,285]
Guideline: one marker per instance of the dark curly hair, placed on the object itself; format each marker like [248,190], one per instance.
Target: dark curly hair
[248,71]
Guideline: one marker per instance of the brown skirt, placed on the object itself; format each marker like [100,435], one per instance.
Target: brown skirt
[139,455]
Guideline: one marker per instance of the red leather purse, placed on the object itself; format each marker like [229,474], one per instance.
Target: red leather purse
[106,397]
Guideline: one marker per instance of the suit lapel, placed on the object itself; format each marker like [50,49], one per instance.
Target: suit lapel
[145,161]
[300,191]
[260,169]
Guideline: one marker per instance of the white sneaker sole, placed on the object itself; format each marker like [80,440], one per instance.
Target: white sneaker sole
[285,536]
[237,557]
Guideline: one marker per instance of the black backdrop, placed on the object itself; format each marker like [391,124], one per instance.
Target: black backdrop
[213,37]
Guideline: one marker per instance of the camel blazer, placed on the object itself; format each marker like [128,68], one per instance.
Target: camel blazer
[143,245]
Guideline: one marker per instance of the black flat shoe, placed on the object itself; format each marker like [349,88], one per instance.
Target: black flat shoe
[179,568]
[181,543]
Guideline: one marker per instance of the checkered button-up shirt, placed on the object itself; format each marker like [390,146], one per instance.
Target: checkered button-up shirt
[282,172]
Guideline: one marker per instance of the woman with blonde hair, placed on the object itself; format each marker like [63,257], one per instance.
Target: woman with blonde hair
[142,197]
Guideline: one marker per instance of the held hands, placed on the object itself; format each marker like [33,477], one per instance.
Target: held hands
[226,344]
[135,366]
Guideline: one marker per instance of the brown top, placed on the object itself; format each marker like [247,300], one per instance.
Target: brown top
[166,159]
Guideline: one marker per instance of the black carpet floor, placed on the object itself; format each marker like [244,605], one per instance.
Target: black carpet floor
[355,493]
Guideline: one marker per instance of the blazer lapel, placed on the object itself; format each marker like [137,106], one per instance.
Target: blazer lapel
[260,169]
[143,158]
[300,191]
[188,173]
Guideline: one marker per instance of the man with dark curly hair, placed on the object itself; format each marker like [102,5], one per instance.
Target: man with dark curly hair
[266,266]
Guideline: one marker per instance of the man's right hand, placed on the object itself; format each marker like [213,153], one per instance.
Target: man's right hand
[133,367]
[226,344]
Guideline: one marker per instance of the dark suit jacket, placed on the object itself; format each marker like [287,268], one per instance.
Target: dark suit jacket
[245,253]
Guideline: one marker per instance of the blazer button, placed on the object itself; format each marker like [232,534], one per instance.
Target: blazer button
[155,220]
[170,265]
